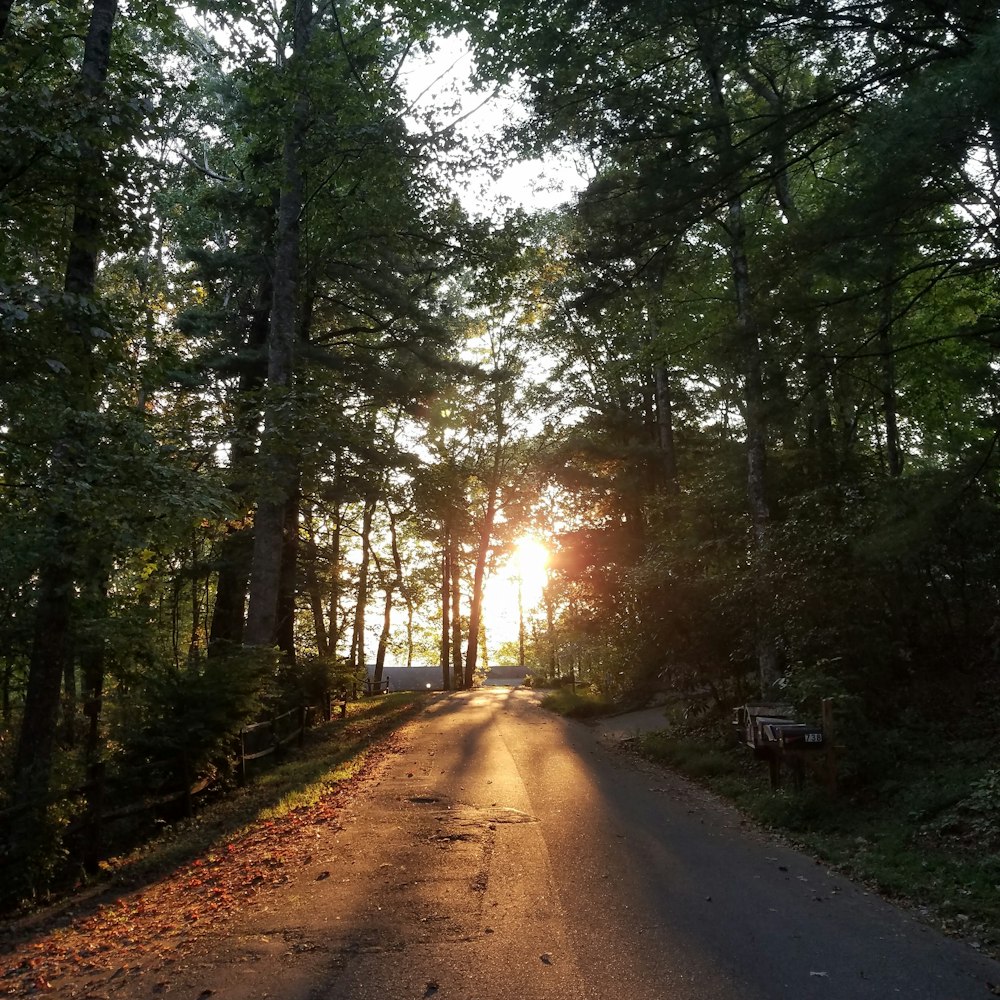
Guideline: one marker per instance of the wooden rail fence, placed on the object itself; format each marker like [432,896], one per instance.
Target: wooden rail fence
[86,834]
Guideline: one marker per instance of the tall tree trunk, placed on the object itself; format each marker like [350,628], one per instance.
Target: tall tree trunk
[51,647]
[476,602]
[235,555]
[819,425]
[552,663]
[361,608]
[456,613]
[70,702]
[285,624]
[383,636]
[315,592]
[337,622]
[410,612]
[8,677]
[445,607]
[893,452]
[394,583]
[749,349]
[280,468]
[50,653]
[236,549]
[665,428]
[92,659]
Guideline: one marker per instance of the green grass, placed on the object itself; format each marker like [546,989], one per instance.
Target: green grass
[919,834]
[580,704]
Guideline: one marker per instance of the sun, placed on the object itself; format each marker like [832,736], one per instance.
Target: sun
[530,563]
[515,589]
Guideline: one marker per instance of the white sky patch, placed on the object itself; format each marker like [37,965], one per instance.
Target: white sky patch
[442,82]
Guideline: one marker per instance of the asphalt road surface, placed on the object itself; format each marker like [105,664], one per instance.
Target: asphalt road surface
[506,853]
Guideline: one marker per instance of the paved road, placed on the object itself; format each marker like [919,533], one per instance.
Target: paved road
[507,853]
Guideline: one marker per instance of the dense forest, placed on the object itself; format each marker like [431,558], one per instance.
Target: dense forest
[276,401]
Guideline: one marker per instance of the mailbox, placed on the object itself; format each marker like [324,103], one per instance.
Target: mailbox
[771,732]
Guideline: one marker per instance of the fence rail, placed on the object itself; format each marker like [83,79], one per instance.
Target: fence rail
[86,835]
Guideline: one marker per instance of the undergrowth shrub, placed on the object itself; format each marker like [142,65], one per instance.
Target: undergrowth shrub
[577,705]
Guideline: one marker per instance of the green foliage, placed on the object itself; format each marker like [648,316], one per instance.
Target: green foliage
[312,678]
[696,758]
[973,821]
[584,703]
[33,853]
[186,720]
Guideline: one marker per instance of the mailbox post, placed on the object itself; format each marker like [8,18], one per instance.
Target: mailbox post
[772,734]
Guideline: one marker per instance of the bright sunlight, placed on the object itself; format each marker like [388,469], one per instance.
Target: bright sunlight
[515,589]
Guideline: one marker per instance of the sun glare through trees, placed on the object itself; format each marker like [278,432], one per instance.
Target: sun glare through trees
[513,594]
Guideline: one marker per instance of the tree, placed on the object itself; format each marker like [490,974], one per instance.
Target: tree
[50,650]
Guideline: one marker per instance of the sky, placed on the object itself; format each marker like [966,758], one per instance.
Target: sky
[534,185]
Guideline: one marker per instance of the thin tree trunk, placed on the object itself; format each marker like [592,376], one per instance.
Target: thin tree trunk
[456,613]
[383,636]
[285,625]
[665,428]
[70,702]
[337,623]
[393,584]
[8,676]
[476,602]
[446,608]
[551,632]
[92,667]
[409,630]
[361,608]
[313,589]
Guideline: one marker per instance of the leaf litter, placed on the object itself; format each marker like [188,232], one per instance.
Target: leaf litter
[160,923]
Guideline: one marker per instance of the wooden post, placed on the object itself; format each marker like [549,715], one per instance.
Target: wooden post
[188,781]
[243,759]
[276,738]
[774,769]
[92,831]
[302,724]
[829,739]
